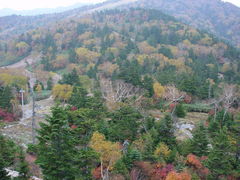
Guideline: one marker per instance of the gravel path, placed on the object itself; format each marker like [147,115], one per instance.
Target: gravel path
[21,131]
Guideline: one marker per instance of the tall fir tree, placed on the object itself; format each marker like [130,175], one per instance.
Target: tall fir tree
[166,132]
[22,167]
[7,155]
[220,158]
[3,172]
[124,124]
[50,84]
[199,142]
[57,147]
[88,159]
[79,97]
[5,97]
[71,78]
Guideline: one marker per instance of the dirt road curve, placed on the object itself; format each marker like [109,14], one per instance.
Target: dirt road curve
[24,62]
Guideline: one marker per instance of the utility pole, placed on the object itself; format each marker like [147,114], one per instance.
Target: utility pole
[33,118]
[22,91]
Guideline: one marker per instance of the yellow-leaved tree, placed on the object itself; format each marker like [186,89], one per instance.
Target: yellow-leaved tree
[158,89]
[62,92]
[13,80]
[109,152]
[162,151]
[84,54]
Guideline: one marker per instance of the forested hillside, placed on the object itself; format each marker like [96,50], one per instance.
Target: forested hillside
[131,80]
[215,16]
[14,25]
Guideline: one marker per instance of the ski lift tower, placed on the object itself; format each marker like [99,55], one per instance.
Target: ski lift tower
[22,92]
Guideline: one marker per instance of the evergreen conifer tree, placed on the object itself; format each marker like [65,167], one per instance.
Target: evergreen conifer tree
[166,132]
[5,98]
[199,144]
[3,173]
[7,155]
[79,97]
[22,167]
[220,157]
[180,111]
[124,124]
[57,147]
[71,78]
[50,84]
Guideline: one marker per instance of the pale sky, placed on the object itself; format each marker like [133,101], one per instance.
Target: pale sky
[33,4]
[236,2]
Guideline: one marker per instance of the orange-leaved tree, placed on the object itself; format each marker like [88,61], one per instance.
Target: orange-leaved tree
[178,176]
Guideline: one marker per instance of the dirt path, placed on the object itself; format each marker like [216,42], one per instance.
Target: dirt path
[21,131]
[25,62]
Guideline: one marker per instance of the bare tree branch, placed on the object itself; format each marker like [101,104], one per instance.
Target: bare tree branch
[118,90]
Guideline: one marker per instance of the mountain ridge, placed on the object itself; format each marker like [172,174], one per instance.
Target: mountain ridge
[40,11]
[217,17]
[15,25]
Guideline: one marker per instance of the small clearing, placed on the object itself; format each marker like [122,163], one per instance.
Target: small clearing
[21,131]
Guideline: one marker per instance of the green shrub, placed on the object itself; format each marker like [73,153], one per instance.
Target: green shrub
[180,112]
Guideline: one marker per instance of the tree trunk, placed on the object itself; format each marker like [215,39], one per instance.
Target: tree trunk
[102,174]
[224,115]
[215,112]
[209,91]
[173,111]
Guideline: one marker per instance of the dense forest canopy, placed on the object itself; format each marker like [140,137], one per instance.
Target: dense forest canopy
[129,80]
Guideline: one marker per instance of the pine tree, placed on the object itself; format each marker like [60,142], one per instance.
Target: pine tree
[72,56]
[220,157]
[88,159]
[50,84]
[124,124]
[5,98]
[199,144]
[131,157]
[22,167]
[56,148]
[148,85]
[3,173]
[7,155]
[79,97]
[166,132]
[71,78]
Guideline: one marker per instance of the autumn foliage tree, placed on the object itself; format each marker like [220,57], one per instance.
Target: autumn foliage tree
[197,165]
[62,92]
[109,153]
[162,151]
[159,90]
[178,176]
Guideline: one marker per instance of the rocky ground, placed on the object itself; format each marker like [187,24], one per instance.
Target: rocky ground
[21,131]
[184,126]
